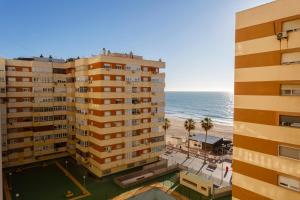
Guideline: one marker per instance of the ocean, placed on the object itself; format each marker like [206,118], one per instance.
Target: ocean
[197,105]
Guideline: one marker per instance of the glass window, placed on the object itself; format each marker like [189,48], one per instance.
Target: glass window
[289,183]
[292,121]
[289,152]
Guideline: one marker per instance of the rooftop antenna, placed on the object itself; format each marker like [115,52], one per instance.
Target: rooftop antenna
[41,56]
[130,54]
[104,51]
[108,52]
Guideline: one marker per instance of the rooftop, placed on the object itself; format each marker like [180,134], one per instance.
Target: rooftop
[210,139]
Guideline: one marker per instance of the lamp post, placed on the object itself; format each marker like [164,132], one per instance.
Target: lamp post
[222,163]
[66,163]
[10,182]
[84,177]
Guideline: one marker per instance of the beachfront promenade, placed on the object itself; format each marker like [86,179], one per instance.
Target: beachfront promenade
[195,164]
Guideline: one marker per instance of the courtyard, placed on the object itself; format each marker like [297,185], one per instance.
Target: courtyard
[51,180]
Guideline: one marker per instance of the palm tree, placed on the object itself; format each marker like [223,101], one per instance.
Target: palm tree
[189,125]
[166,125]
[206,124]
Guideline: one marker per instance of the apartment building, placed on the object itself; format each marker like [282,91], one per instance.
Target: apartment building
[105,110]
[266,155]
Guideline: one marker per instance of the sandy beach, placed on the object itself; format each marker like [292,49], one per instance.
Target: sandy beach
[177,129]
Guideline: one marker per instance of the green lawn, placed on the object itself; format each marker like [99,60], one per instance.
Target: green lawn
[49,183]
[105,188]
[42,183]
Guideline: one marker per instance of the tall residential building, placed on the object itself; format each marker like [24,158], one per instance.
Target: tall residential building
[106,111]
[266,155]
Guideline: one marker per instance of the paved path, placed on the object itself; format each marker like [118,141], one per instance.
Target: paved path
[143,189]
[84,191]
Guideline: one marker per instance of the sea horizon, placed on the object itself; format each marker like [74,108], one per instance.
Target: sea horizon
[199,104]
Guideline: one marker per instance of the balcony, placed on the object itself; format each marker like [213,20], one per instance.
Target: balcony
[290,121]
[20,145]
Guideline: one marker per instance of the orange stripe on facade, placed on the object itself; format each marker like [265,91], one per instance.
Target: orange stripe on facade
[256,172]
[262,59]
[265,88]
[259,145]
[255,144]
[256,116]
[244,194]
[256,31]
[262,30]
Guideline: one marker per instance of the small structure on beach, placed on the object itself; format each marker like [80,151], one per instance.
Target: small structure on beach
[175,141]
[213,143]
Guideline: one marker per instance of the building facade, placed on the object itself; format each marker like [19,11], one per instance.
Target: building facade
[266,153]
[105,110]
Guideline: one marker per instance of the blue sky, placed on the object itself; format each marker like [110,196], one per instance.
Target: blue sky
[194,37]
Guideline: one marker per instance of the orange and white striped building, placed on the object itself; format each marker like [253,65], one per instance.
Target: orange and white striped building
[106,111]
[266,155]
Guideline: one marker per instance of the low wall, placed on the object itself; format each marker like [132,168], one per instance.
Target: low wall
[146,174]
[196,182]
[221,192]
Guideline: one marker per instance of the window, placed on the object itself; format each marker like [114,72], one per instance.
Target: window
[290,90]
[118,101]
[107,125]
[289,152]
[107,113]
[107,160]
[291,25]
[117,124]
[107,149]
[11,69]
[290,58]
[26,99]
[59,71]
[107,137]
[119,157]
[118,89]
[25,79]
[289,183]
[118,112]
[106,78]
[145,151]
[12,100]
[106,66]
[11,89]
[26,109]
[118,78]
[292,121]
[12,110]
[118,135]
[119,67]
[107,89]
[26,89]
[107,101]
[11,79]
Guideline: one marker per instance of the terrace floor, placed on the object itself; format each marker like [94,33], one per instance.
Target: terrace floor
[49,182]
